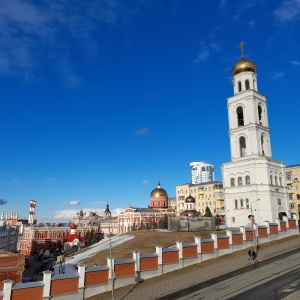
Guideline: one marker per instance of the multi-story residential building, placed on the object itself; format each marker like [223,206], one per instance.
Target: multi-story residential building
[206,194]
[293,183]
[201,172]
[8,238]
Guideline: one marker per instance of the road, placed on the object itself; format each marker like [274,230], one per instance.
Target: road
[271,281]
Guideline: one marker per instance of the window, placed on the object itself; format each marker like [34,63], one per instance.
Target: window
[280,181]
[276,183]
[240,86]
[298,196]
[263,142]
[290,196]
[292,206]
[232,182]
[271,179]
[247,84]
[240,181]
[240,116]
[242,146]
[289,176]
[233,219]
[235,204]
[241,201]
[259,110]
[279,201]
[247,180]
[247,203]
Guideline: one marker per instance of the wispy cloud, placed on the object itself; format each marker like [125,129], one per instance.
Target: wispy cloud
[15,181]
[98,203]
[145,181]
[55,33]
[277,75]
[74,203]
[70,213]
[251,24]
[3,201]
[287,11]
[295,62]
[205,51]
[141,131]
[16,203]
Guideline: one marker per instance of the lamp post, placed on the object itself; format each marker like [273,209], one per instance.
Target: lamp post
[251,217]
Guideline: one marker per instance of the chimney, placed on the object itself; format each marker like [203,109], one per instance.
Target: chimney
[31,212]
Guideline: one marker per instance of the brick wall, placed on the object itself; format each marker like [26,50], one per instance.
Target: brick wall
[170,257]
[97,277]
[207,247]
[262,232]
[35,293]
[223,243]
[189,252]
[123,270]
[64,286]
[250,235]
[148,263]
[11,267]
[237,239]
[283,226]
[273,229]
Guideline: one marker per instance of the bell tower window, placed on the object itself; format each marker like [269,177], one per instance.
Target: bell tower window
[232,182]
[240,116]
[242,146]
[240,86]
[259,115]
[247,84]
[240,181]
[247,179]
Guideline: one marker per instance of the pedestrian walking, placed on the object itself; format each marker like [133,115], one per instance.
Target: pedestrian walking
[249,254]
[253,255]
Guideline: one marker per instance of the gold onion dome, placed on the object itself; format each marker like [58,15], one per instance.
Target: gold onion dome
[244,64]
[159,192]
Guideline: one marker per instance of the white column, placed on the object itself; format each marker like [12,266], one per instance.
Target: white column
[7,289]
[215,238]
[179,246]
[268,227]
[111,264]
[47,282]
[243,230]
[158,250]
[81,271]
[229,233]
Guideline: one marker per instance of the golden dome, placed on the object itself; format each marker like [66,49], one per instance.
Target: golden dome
[243,65]
[159,192]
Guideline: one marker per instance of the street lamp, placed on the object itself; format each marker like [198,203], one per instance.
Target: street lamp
[111,264]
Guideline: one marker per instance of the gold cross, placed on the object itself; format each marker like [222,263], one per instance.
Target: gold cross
[241,45]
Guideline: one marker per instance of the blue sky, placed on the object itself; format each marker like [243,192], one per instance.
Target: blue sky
[99,99]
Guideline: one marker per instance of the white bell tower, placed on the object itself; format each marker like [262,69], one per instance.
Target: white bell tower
[254,183]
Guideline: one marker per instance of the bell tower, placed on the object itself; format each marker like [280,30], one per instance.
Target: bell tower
[252,181]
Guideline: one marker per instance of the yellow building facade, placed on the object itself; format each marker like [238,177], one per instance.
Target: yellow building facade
[206,194]
[293,183]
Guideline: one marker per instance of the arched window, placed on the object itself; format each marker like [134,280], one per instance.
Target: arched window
[232,182]
[240,181]
[241,201]
[247,203]
[247,180]
[263,141]
[280,181]
[240,116]
[242,146]
[235,204]
[259,110]
[271,179]
[276,183]
[240,86]
[247,84]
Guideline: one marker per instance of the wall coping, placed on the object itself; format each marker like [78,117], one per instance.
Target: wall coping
[95,269]
[223,236]
[27,285]
[273,224]
[65,276]
[189,245]
[262,227]
[237,233]
[249,229]
[207,240]
[175,249]
[282,221]
[149,255]
[124,261]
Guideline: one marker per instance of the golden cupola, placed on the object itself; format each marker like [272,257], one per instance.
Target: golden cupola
[244,64]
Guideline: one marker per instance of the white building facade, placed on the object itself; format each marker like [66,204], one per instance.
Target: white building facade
[254,183]
[201,172]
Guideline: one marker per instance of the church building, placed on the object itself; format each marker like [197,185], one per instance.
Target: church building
[254,183]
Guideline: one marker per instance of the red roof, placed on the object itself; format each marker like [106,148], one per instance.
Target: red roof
[71,237]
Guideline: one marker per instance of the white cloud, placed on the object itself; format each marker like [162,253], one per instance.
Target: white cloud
[277,75]
[15,181]
[74,203]
[69,213]
[16,203]
[295,62]
[98,203]
[141,131]
[251,24]
[206,50]
[34,33]
[287,11]
[145,181]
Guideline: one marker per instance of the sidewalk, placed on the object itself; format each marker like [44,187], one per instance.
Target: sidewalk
[202,274]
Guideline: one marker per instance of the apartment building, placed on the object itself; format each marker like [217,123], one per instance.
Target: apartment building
[293,183]
[206,194]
